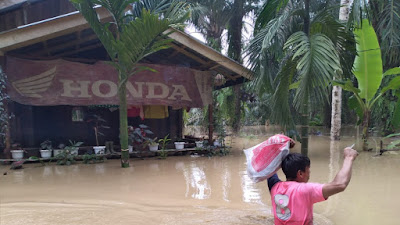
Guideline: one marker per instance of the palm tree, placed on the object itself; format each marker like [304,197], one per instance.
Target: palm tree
[128,38]
[336,115]
[239,8]
[296,54]
[212,20]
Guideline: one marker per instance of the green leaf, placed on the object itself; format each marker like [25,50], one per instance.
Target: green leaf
[294,85]
[355,105]
[368,62]
[392,85]
[396,116]
[392,71]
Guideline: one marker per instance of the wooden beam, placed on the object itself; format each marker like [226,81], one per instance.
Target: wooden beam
[214,67]
[190,55]
[68,44]
[46,29]
[79,50]
[208,52]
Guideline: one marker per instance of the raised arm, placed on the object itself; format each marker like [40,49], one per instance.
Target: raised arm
[343,177]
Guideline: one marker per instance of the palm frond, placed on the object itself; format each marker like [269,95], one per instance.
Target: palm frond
[86,7]
[318,62]
[342,38]
[175,10]
[117,8]
[280,107]
[269,11]
[388,28]
[142,36]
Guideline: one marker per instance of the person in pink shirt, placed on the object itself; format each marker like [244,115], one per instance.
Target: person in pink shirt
[293,199]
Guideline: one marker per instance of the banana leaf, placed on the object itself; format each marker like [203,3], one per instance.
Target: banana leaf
[368,62]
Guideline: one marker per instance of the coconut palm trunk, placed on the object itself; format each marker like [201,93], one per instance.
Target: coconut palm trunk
[336,116]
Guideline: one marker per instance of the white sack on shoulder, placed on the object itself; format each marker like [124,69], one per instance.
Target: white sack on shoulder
[264,159]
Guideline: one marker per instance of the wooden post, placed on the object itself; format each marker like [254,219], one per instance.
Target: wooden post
[7,135]
[210,124]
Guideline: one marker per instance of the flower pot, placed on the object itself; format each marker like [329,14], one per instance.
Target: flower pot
[17,154]
[45,153]
[217,143]
[75,150]
[179,145]
[199,144]
[153,147]
[99,149]
[130,148]
[58,151]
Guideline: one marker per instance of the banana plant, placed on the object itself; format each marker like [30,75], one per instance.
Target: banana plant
[368,71]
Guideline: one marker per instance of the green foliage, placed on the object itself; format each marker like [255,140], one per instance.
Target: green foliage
[164,141]
[368,63]
[368,75]
[65,157]
[98,124]
[139,135]
[128,40]
[35,158]
[162,153]
[46,145]
[393,144]
[91,159]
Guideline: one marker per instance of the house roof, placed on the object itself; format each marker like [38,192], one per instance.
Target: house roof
[69,37]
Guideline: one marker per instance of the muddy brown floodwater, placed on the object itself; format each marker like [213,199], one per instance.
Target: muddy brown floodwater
[194,190]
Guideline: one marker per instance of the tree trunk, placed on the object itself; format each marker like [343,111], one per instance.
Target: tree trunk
[304,127]
[210,124]
[336,118]
[365,125]
[235,52]
[237,115]
[123,126]
[304,111]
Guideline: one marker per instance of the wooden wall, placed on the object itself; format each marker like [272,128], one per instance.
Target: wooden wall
[35,124]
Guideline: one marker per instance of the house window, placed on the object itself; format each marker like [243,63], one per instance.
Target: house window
[77,114]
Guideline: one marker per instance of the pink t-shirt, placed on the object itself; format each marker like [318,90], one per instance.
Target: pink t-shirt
[292,202]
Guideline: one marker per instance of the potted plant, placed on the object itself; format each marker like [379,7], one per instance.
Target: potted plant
[46,149]
[152,143]
[73,147]
[98,124]
[138,135]
[163,153]
[17,152]
[200,143]
[179,144]
[59,150]
[67,157]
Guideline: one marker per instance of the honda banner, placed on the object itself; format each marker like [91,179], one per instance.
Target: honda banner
[60,82]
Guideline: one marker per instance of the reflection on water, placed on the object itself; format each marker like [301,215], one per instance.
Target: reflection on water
[250,192]
[198,181]
[194,190]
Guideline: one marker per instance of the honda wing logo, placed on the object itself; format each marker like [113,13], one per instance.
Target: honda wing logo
[33,86]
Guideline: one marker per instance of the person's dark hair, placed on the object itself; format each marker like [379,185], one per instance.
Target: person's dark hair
[293,163]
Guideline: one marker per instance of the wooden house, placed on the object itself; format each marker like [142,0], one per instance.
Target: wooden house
[57,76]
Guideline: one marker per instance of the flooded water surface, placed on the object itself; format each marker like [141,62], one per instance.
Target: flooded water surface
[194,190]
